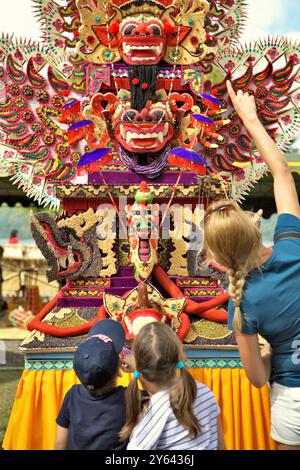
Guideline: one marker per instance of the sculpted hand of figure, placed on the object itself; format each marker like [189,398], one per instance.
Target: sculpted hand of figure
[128,363]
[243,103]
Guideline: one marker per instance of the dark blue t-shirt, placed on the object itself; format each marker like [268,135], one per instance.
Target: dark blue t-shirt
[93,422]
[271,303]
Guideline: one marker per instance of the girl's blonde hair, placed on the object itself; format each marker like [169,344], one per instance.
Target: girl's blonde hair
[233,240]
[157,351]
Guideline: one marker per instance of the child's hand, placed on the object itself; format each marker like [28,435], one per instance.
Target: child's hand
[243,103]
[128,363]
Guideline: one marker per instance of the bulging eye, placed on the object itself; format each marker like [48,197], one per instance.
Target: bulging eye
[157,114]
[155,30]
[128,29]
[129,115]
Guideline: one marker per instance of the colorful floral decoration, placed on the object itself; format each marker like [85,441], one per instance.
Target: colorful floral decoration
[143,223]
[144,305]
[140,77]
[69,246]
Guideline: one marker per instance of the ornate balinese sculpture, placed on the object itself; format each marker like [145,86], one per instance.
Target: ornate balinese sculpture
[143,232]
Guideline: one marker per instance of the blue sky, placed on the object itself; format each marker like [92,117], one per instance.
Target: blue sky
[265,17]
[273,17]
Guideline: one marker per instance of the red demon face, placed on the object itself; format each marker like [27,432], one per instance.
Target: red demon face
[142,41]
[145,131]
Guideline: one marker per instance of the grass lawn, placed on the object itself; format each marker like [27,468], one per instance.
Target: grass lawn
[8,387]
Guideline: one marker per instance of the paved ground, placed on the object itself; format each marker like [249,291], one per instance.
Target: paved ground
[10,339]
[11,368]
[10,356]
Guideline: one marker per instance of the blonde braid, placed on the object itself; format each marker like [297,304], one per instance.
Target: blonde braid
[236,285]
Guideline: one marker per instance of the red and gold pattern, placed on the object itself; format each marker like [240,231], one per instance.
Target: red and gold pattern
[89,282]
[202,292]
[80,293]
[197,282]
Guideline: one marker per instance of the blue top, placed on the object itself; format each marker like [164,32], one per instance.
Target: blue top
[271,303]
[93,422]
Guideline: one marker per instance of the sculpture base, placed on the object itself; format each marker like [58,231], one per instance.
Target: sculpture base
[47,378]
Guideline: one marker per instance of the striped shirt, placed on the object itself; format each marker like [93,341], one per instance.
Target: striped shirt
[159,429]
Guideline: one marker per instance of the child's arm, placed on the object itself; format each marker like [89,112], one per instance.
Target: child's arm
[63,423]
[61,438]
[221,440]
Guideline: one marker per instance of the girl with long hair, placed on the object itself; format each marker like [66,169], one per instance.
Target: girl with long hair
[180,413]
[264,282]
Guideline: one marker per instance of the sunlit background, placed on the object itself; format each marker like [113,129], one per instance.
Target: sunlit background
[264,17]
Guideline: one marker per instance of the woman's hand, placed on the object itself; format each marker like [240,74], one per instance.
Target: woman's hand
[243,103]
[266,350]
[266,355]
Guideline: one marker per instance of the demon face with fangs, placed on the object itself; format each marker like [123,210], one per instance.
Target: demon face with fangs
[144,136]
[145,131]
[142,40]
[142,31]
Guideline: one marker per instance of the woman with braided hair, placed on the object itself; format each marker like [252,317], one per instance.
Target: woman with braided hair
[264,282]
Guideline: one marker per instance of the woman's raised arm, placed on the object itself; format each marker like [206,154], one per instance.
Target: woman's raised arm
[285,193]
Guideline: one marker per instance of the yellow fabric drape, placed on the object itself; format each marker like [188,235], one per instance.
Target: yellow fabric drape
[245,409]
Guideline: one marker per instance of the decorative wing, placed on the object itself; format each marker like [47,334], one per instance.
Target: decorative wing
[270,71]
[225,20]
[33,144]
[224,24]
[56,20]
